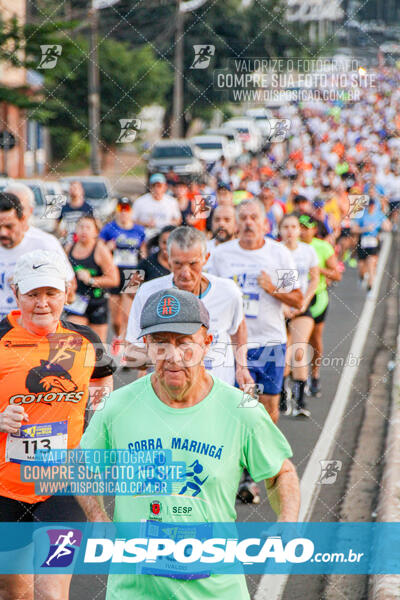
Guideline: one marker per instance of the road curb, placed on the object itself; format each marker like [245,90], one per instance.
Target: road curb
[387,587]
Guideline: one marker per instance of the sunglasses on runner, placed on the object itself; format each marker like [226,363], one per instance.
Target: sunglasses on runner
[124,207]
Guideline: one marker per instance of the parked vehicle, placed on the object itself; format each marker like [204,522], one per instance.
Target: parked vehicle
[211,147]
[41,218]
[235,147]
[180,155]
[261,117]
[4,182]
[98,194]
[249,134]
[53,188]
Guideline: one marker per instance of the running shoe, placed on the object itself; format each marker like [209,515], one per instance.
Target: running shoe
[315,388]
[352,262]
[301,411]
[365,281]
[249,492]
[285,404]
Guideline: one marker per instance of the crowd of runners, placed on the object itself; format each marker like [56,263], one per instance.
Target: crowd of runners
[262,242]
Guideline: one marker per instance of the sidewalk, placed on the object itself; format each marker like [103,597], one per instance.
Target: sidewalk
[387,587]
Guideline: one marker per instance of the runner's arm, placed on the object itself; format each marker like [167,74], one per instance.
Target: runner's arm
[312,286]
[176,221]
[358,229]
[293,298]
[71,290]
[143,250]
[331,271]
[284,492]
[93,507]
[135,352]
[11,418]
[239,341]
[104,258]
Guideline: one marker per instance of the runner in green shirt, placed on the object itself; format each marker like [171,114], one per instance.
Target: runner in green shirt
[210,426]
[328,267]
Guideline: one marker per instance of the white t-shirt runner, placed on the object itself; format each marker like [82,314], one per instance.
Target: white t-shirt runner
[264,314]
[34,239]
[305,258]
[163,212]
[223,301]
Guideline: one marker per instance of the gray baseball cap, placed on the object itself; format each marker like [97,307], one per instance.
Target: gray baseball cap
[174,311]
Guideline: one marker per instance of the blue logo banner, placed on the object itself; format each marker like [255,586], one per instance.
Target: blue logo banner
[187,550]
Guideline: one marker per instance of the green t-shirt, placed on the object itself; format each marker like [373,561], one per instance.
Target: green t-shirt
[216,439]
[324,251]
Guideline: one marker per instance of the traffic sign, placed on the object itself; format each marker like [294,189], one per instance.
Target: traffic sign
[7,140]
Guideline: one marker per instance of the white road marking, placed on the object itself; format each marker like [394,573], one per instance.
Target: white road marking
[271,587]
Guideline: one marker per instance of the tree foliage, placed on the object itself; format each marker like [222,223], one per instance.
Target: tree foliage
[129,80]
[136,50]
[260,30]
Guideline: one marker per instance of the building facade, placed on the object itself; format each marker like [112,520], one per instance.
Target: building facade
[27,157]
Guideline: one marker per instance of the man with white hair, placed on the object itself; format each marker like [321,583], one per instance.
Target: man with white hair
[265,272]
[16,239]
[187,254]
[27,198]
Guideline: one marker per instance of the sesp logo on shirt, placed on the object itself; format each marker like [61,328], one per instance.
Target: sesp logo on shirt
[168,307]
[63,543]
[155,507]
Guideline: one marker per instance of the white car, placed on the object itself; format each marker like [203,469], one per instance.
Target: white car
[282,100]
[53,188]
[249,134]
[180,155]
[98,194]
[261,118]
[4,182]
[211,147]
[235,147]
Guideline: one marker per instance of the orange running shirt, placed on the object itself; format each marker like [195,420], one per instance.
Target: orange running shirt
[49,377]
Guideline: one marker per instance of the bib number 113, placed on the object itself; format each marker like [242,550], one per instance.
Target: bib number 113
[31,446]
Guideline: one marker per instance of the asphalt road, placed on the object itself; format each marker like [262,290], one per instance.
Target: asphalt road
[345,307]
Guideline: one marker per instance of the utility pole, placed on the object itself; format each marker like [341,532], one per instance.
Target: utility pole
[177,102]
[94,93]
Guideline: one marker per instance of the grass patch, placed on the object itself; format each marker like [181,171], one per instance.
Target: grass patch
[138,170]
[71,166]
